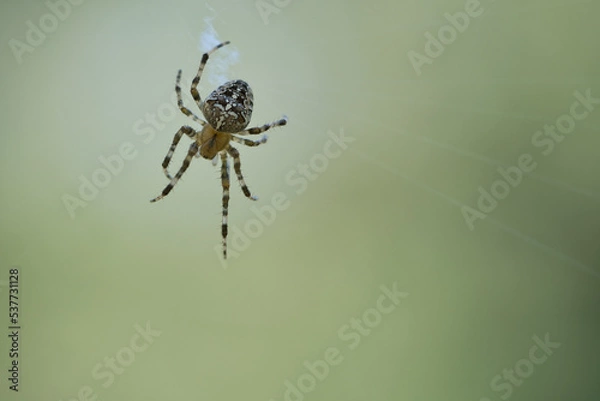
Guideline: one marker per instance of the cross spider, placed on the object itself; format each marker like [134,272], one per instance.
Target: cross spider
[227,111]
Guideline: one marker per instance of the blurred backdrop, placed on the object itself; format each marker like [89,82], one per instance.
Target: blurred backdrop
[427,224]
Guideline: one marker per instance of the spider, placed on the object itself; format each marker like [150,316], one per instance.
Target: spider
[227,111]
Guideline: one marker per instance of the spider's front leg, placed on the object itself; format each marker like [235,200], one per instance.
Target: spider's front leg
[225,184]
[186,163]
[237,166]
[189,131]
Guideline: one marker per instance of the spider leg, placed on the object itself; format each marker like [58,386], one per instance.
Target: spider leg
[186,163]
[249,142]
[184,109]
[260,130]
[183,130]
[225,184]
[237,166]
[196,80]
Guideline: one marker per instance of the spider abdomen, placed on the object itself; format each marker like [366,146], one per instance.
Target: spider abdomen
[229,107]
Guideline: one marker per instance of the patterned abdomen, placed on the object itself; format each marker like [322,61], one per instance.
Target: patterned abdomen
[229,107]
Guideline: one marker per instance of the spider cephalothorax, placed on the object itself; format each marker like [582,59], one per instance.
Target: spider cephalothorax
[228,110]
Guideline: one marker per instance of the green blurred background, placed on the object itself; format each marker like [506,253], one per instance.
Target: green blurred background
[387,210]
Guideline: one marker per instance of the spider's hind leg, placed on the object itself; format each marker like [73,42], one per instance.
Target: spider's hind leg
[184,109]
[249,142]
[237,166]
[196,80]
[261,129]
